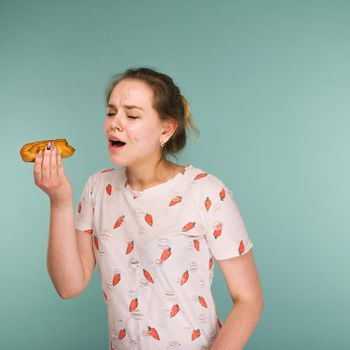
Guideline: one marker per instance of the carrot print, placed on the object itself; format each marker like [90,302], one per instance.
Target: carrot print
[196,244]
[202,301]
[174,310]
[188,226]
[116,279]
[165,255]
[119,221]
[153,333]
[79,207]
[241,248]
[149,219]
[130,247]
[207,203]
[106,170]
[122,333]
[200,175]
[182,171]
[90,232]
[184,277]
[109,189]
[133,304]
[195,334]
[211,262]
[175,200]
[148,276]
[222,194]
[217,231]
[96,242]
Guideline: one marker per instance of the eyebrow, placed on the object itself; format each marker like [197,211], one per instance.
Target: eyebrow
[126,106]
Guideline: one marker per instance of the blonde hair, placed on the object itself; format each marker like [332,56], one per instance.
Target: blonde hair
[188,116]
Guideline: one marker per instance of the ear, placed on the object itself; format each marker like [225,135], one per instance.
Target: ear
[169,127]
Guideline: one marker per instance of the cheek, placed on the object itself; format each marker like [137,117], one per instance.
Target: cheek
[143,137]
[143,140]
[106,125]
[139,134]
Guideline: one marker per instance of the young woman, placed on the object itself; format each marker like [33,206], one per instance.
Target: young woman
[153,227]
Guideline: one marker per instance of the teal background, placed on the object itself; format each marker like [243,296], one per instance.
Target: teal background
[268,85]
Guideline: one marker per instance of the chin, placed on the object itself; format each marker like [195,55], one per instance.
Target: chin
[118,162]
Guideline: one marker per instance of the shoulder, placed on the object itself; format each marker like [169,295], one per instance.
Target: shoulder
[207,181]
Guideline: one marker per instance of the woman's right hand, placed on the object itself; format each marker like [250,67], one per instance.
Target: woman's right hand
[49,176]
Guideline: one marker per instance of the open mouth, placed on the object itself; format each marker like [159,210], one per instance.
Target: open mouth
[116,144]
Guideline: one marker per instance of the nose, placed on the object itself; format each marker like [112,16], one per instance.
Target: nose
[116,122]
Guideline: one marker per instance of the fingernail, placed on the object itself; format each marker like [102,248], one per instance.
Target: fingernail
[39,154]
[48,146]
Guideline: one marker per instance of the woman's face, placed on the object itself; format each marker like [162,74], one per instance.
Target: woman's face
[132,119]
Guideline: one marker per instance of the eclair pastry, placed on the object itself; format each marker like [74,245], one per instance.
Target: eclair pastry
[30,150]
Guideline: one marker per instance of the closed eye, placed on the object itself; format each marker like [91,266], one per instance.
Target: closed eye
[129,116]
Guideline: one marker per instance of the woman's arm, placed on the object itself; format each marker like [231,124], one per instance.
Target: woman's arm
[246,292]
[69,253]
[64,263]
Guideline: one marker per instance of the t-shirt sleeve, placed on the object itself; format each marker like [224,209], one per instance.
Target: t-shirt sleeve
[226,232]
[83,216]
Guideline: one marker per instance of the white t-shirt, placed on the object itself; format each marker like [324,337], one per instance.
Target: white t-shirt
[155,252]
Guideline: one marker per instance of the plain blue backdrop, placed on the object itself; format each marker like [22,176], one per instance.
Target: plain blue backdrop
[268,86]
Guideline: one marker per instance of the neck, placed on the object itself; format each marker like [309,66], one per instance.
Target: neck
[149,174]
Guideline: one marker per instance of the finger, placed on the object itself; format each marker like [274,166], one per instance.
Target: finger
[60,170]
[37,167]
[53,163]
[46,163]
